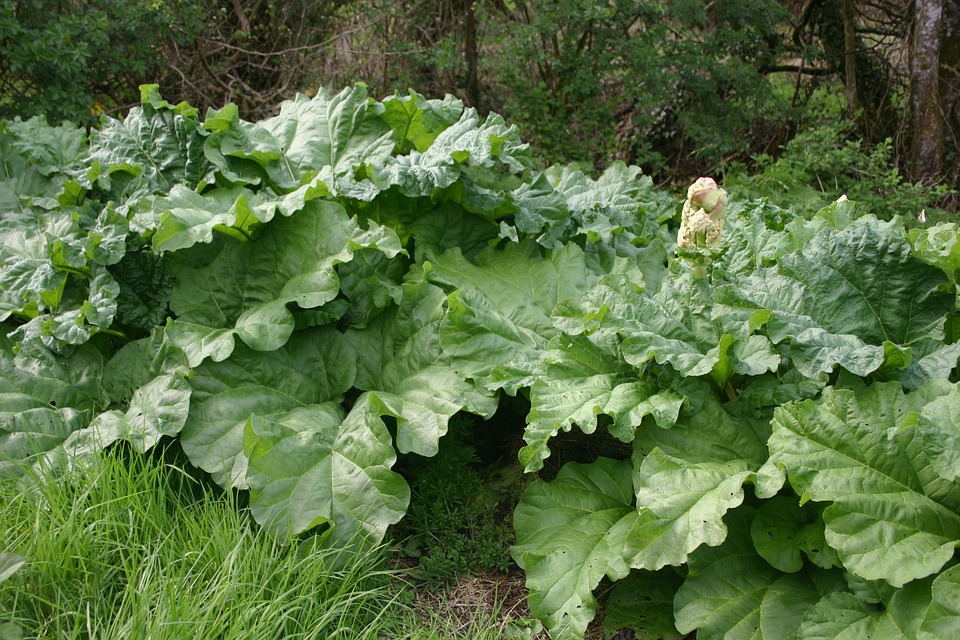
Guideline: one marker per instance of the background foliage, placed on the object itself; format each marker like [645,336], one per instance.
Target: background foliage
[680,88]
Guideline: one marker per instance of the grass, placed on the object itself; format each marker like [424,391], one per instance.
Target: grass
[135,547]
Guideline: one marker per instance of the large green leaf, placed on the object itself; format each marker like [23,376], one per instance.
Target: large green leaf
[892,517]
[483,158]
[148,379]
[731,593]
[401,361]
[51,150]
[53,273]
[601,209]
[570,533]
[245,290]
[942,617]
[841,299]
[315,366]
[417,121]
[686,478]
[44,398]
[158,144]
[939,428]
[842,616]
[500,312]
[314,466]
[158,408]
[575,381]
[753,238]
[939,246]
[677,326]
[183,217]
[341,131]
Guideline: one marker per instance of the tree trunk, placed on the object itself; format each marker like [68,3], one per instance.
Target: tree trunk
[470,53]
[850,57]
[926,154]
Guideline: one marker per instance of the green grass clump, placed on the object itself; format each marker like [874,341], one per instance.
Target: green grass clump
[135,547]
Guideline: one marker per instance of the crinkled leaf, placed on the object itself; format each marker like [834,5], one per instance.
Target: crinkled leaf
[930,359]
[342,131]
[499,318]
[749,241]
[106,241]
[50,149]
[939,427]
[57,279]
[766,392]
[677,326]
[371,282]
[160,144]
[418,121]
[313,367]
[246,288]
[687,477]
[145,287]
[732,593]
[841,300]
[789,598]
[467,148]
[601,208]
[44,398]
[575,381]
[184,217]
[542,212]
[706,432]
[683,504]
[892,516]
[312,466]
[401,361]
[570,533]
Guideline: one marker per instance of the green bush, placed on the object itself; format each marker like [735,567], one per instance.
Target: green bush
[823,163]
[71,60]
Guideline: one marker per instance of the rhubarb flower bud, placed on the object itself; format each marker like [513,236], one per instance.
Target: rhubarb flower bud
[701,224]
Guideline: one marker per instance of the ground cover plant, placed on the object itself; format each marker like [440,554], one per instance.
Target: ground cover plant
[301,300]
[137,547]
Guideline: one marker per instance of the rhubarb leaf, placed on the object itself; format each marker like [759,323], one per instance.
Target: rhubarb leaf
[314,466]
[570,533]
[863,453]
[400,360]
[315,366]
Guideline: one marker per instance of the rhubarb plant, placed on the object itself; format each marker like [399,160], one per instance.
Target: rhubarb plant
[301,301]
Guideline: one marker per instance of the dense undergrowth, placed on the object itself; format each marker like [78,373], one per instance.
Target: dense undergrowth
[137,546]
[745,430]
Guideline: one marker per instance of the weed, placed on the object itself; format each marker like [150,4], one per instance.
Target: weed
[456,524]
